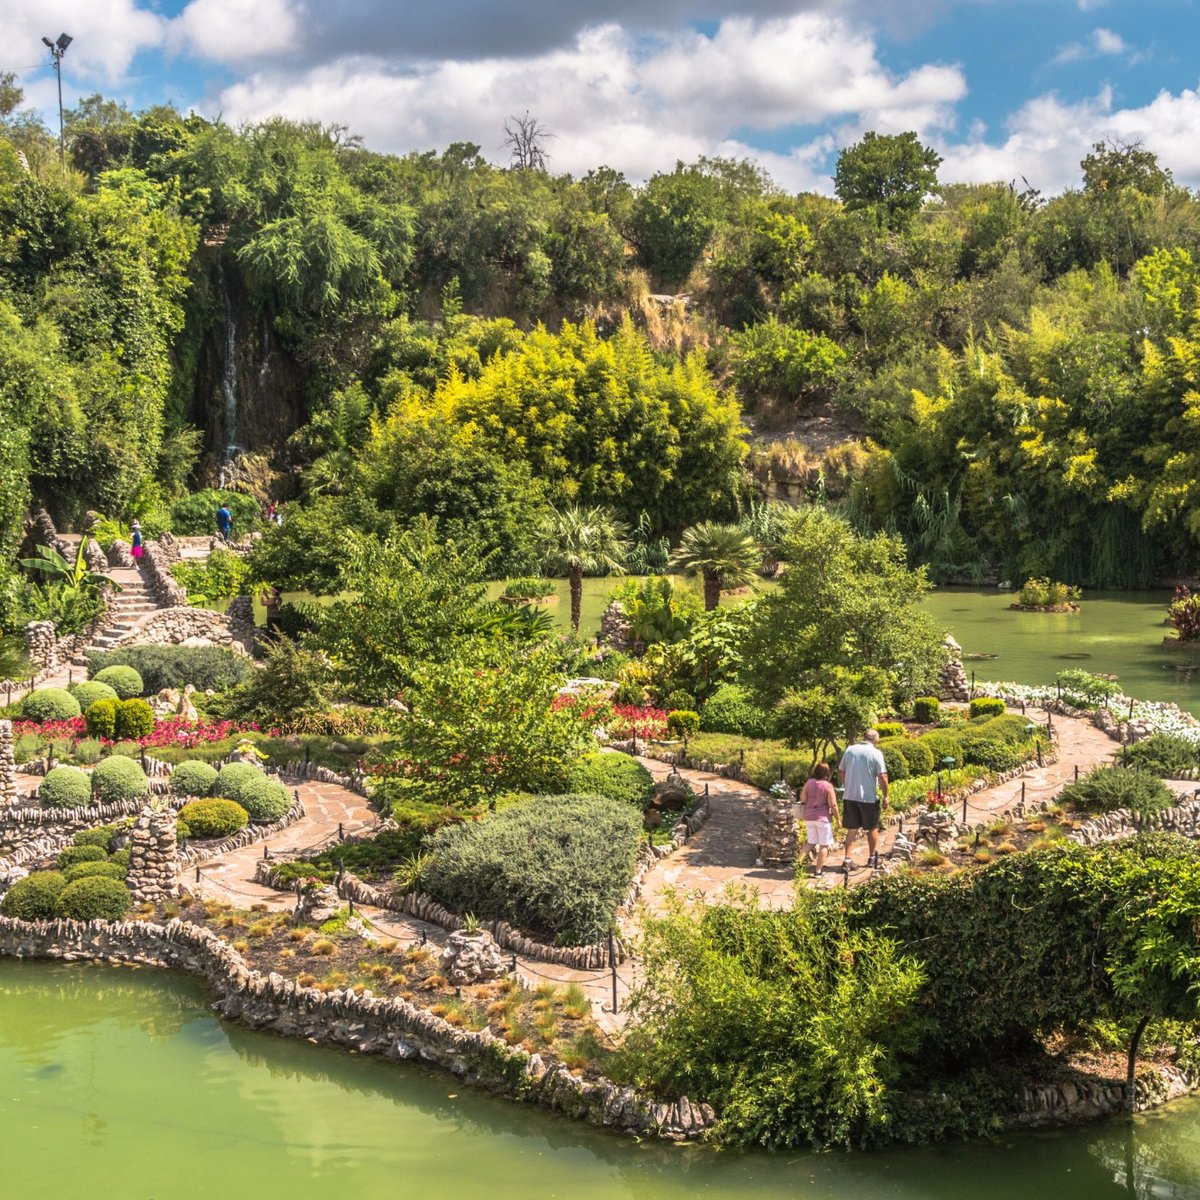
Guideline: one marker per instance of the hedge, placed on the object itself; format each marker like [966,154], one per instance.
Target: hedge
[160,667]
[614,775]
[926,709]
[986,706]
[193,778]
[263,798]
[32,898]
[94,898]
[125,681]
[118,779]
[906,757]
[65,787]
[213,818]
[89,692]
[559,865]
[50,704]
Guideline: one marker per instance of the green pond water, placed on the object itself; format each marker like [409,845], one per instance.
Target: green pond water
[120,1085]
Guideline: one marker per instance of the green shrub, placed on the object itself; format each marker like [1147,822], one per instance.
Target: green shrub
[125,681]
[614,775]
[528,588]
[1012,728]
[982,750]
[196,515]
[926,709]
[683,722]
[559,865]
[679,700]
[162,667]
[1167,756]
[213,818]
[731,710]
[118,779]
[193,778]
[263,798]
[65,787]
[127,749]
[1085,690]
[1103,789]
[986,706]
[32,898]
[135,719]
[943,743]
[120,856]
[93,899]
[906,757]
[78,854]
[101,836]
[84,870]
[890,729]
[101,719]
[86,694]
[50,704]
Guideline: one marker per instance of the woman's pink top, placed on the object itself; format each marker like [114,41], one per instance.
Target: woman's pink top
[819,799]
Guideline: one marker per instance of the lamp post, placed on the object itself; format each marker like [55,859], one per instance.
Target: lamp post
[57,49]
[1029,732]
[947,764]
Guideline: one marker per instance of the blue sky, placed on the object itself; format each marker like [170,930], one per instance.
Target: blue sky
[1003,88]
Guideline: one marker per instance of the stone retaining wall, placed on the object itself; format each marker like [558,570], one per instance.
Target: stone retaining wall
[21,826]
[1121,823]
[170,626]
[391,1027]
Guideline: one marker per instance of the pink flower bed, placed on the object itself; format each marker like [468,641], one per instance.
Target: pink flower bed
[168,731]
[629,720]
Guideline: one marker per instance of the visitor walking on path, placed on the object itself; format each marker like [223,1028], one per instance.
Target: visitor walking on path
[224,522]
[820,815]
[865,787]
[135,539]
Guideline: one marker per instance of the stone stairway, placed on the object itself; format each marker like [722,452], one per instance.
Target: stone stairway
[128,608]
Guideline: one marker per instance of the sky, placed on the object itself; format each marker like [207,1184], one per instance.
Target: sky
[1006,90]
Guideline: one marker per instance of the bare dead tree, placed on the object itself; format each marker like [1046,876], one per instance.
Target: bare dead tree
[526,140]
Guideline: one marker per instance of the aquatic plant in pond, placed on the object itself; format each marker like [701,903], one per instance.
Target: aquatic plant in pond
[1184,613]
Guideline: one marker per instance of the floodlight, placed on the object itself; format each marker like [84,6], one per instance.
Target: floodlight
[63,40]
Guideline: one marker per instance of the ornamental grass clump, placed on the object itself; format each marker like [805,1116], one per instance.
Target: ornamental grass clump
[1104,789]
[558,866]
[65,787]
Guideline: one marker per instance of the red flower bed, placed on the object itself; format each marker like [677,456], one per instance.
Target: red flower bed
[168,731]
[629,720]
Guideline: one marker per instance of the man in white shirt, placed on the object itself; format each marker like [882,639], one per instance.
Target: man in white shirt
[861,770]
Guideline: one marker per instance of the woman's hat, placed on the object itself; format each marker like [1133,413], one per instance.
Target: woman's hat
[136,524]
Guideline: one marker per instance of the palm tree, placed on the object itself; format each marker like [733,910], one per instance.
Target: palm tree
[582,540]
[724,555]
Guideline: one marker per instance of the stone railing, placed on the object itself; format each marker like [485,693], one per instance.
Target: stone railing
[391,1027]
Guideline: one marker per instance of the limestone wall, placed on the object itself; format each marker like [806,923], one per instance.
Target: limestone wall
[170,626]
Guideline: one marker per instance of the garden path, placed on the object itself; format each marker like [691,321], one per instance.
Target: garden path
[725,849]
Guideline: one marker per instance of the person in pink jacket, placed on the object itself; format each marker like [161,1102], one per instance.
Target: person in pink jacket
[820,815]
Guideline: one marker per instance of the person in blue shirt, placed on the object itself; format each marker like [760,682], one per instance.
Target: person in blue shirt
[224,522]
[865,782]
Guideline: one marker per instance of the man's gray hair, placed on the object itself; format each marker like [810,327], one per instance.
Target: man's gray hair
[872,736]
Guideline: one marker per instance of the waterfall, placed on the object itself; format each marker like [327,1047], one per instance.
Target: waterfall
[228,385]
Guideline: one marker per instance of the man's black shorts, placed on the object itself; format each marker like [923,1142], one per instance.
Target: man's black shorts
[860,816]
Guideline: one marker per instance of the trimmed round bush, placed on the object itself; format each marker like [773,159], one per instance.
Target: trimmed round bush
[121,856]
[101,719]
[906,757]
[86,870]
[925,709]
[135,719]
[32,898]
[93,898]
[118,779]
[263,798]
[80,854]
[86,694]
[125,681]
[213,818]
[193,778]
[987,706]
[102,836]
[615,775]
[65,787]
[731,710]
[889,729]
[50,704]
[683,722]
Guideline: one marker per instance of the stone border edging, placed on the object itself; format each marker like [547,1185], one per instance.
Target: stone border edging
[370,1025]
[1182,818]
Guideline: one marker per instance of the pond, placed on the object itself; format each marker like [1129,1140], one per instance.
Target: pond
[120,1083]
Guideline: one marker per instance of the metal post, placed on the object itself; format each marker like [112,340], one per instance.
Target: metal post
[1022,791]
[612,966]
[350,902]
[266,854]
[70,676]
[198,873]
[512,965]
[972,694]
[144,767]
[781,772]
[1076,772]
[1130,717]
[964,810]
[901,823]
[939,792]
[424,937]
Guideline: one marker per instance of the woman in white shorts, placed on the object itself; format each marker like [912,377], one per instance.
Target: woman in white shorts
[819,802]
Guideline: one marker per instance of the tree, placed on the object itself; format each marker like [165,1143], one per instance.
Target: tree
[845,600]
[525,137]
[673,220]
[725,556]
[482,722]
[578,541]
[889,174]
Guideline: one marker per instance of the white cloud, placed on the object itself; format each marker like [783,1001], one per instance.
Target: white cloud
[107,33]
[633,103]
[1107,42]
[1047,138]
[1101,42]
[235,30]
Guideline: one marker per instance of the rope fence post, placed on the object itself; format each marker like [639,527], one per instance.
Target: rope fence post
[612,966]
